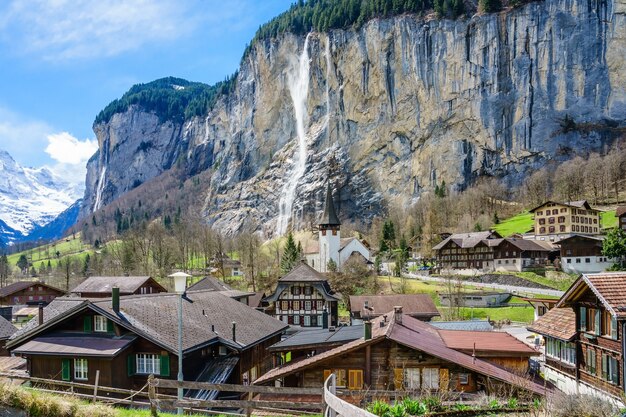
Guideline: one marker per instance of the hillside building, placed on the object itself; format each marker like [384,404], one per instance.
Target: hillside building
[554,220]
[581,254]
[28,292]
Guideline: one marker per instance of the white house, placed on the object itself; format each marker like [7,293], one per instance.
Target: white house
[330,245]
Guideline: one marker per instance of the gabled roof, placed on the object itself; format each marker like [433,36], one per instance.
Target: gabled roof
[64,345]
[576,204]
[620,211]
[303,273]
[469,239]
[104,285]
[213,284]
[329,218]
[22,285]
[557,322]
[414,334]
[154,317]
[412,304]
[530,245]
[486,343]
[609,287]
[597,238]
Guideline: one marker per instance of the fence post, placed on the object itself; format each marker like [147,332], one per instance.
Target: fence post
[152,396]
[95,387]
[333,390]
[249,409]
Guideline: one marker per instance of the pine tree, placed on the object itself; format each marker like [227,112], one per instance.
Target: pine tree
[22,263]
[290,255]
[489,6]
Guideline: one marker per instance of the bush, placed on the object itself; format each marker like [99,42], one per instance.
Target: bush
[581,405]
[380,408]
[414,407]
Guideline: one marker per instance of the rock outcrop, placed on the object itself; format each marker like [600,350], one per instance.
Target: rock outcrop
[392,110]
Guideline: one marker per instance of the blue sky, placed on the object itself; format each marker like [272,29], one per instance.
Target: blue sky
[64,60]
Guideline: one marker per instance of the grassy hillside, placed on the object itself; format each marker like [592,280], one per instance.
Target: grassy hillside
[608,219]
[520,223]
[70,246]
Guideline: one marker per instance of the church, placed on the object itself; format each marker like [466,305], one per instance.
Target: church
[330,245]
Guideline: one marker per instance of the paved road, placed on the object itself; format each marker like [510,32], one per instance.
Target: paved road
[509,288]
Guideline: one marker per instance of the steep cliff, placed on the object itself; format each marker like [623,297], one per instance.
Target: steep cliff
[386,112]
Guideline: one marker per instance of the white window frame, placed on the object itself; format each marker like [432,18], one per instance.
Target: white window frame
[148,363]
[81,369]
[412,378]
[99,323]
[307,321]
[296,319]
[307,305]
[430,378]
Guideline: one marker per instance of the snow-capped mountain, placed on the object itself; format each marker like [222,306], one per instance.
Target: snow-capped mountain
[30,197]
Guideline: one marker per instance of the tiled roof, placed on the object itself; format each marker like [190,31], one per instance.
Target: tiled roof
[557,322]
[104,285]
[620,211]
[610,288]
[7,329]
[413,304]
[303,272]
[75,345]
[22,285]
[486,342]
[415,334]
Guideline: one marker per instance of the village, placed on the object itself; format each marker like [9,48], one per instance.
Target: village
[234,350]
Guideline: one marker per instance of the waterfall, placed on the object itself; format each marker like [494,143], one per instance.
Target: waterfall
[298,84]
[100,189]
[328,65]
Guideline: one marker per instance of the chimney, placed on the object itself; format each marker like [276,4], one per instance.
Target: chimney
[234,331]
[325,318]
[115,299]
[367,327]
[40,314]
[397,313]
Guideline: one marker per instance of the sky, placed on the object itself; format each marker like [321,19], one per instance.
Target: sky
[62,61]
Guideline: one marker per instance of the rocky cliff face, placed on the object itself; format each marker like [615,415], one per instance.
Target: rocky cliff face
[391,110]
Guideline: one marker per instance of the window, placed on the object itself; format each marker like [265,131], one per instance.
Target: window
[412,378]
[542,230]
[591,361]
[551,229]
[561,228]
[222,351]
[430,378]
[99,324]
[307,305]
[355,379]
[540,213]
[148,363]
[80,369]
[340,376]
[593,320]
[284,305]
[463,379]
[587,260]
[295,290]
[542,221]
[555,211]
[551,220]
[609,325]
[296,304]
[610,369]
[320,304]
[308,290]
[307,321]
[577,260]
[296,320]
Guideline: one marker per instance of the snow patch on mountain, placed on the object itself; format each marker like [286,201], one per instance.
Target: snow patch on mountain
[32,197]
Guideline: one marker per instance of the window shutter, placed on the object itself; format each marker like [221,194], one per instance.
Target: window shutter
[109,326]
[327,373]
[398,379]
[614,328]
[583,318]
[130,364]
[444,379]
[65,369]
[165,365]
[87,324]
[598,326]
[604,366]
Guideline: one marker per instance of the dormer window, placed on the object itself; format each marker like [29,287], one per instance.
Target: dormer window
[99,323]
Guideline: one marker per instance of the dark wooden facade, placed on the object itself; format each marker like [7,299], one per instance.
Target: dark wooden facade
[579,246]
[32,294]
[452,256]
[150,286]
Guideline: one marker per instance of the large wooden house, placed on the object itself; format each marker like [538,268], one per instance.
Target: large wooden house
[98,287]
[128,338]
[400,353]
[28,292]
[584,336]
[581,254]
[304,298]
[467,252]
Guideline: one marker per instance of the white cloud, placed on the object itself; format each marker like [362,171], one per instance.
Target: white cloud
[66,149]
[62,30]
[21,137]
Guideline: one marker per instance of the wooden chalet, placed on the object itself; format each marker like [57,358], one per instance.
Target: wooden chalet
[584,335]
[128,338]
[517,255]
[366,307]
[467,252]
[400,353]
[583,254]
[28,292]
[98,287]
[304,298]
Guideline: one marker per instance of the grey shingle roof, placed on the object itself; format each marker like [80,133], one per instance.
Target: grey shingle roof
[303,272]
[211,284]
[103,285]
[7,329]
[59,306]
[474,325]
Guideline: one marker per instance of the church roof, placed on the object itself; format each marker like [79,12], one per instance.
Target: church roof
[329,218]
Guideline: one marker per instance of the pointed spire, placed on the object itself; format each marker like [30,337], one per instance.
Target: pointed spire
[330,215]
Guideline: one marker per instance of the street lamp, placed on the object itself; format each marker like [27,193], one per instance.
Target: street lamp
[180,284]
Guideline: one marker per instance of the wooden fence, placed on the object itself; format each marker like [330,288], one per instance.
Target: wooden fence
[335,406]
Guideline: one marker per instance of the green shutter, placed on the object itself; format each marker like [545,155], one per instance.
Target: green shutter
[598,324]
[87,324]
[65,369]
[614,328]
[583,318]
[109,326]
[165,365]
[604,367]
[130,364]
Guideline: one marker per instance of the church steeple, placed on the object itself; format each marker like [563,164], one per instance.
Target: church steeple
[329,219]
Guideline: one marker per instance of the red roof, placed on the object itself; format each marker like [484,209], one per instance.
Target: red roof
[558,322]
[498,343]
[609,287]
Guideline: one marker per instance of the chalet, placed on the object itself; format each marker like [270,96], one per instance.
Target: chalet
[554,220]
[620,213]
[99,287]
[366,307]
[214,284]
[517,255]
[330,246]
[584,336]
[128,338]
[582,254]
[304,298]
[400,353]
[467,253]
[28,292]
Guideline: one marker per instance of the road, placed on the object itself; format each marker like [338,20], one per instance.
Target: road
[508,288]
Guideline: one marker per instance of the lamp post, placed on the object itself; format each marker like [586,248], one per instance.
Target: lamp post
[180,284]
